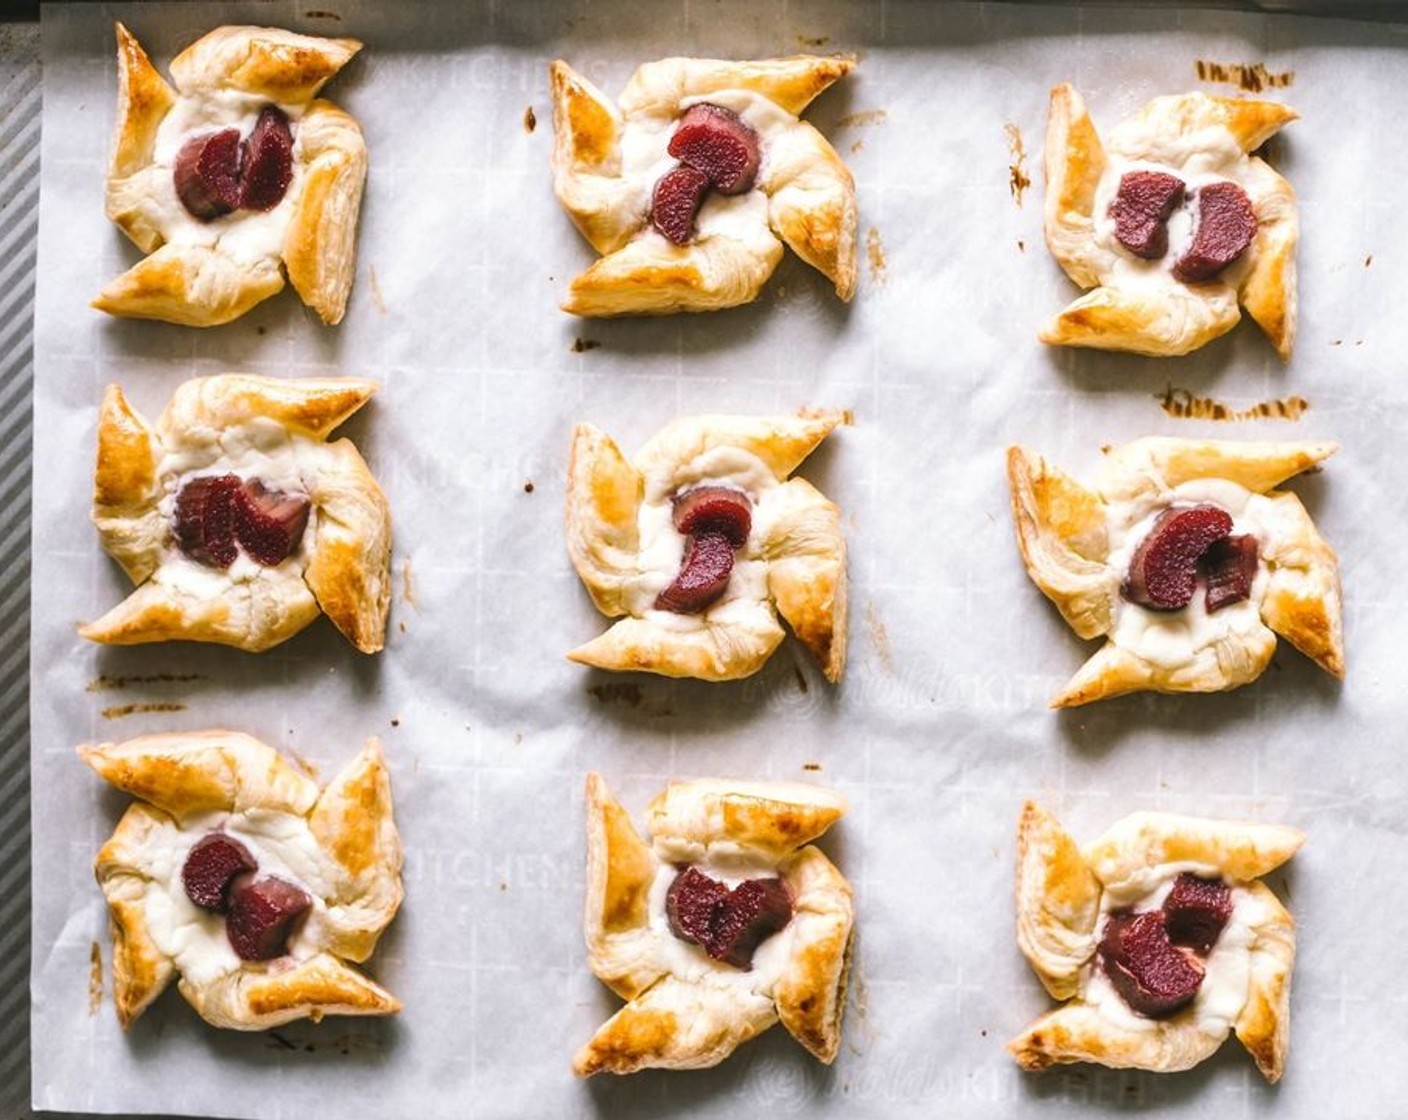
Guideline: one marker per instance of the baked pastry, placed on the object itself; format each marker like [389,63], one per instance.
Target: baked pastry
[233,179]
[1160,939]
[691,187]
[1171,223]
[701,541]
[235,871]
[235,518]
[727,922]
[1184,558]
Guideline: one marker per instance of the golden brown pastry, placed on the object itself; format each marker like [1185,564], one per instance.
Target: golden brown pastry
[235,178]
[1168,261]
[702,540]
[1160,939]
[704,228]
[237,520]
[234,870]
[1171,520]
[727,922]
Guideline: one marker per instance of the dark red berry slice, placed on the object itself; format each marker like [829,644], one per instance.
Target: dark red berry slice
[267,168]
[262,916]
[702,578]
[1164,569]
[211,865]
[753,911]
[1225,226]
[269,523]
[1141,208]
[205,519]
[1230,566]
[714,509]
[1153,976]
[690,904]
[719,143]
[207,174]
[677,198]
[1195,912]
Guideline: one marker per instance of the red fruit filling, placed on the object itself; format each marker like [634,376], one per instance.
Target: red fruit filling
[717,520]
[211,865]
[1225,226]
[207,174]
[729,925]
[1152,975]
[263,915]
[217,513]
[1195,912]
[1141,208]
[267,168]
[1229,566]
[719,143]
[1164,569]
[714,509]
[677,198]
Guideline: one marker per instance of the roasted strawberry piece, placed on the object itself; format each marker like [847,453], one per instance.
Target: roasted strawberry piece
[1164,569]
[690,904]
[269,523]
[1195,912]
[262,916]
[677,198]
[702,578]
[205,519]
[213,862]
[1225,227]
[753,911]
[714,509]
[207,174]
[1152,975]
[1230,567]
[267,167]
[718,142]
[1142,205]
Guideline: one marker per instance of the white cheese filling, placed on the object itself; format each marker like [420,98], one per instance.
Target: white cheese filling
[1227,977]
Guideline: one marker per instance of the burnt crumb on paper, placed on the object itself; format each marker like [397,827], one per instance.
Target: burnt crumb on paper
[528,486]
[801,679]
[582,345]
[875,254]
[1017,178]
[319,13]
[617,692]
[503,887]
[95,978]
[812,42]
[811,767]
[1021,246]
[530,120]
[396,722]
[141,708]
[104,683]
[1182,404]
[1368,260]
[1253,77]
[863,119]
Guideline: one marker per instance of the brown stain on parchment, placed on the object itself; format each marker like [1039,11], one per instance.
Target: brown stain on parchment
[408,587]
[378,300]
[857,146]
[812,42]
[141,707]
[1250,76]
[308,767]
[618,692]
[812,767]
[104,683]
[319,13]
[879,638]
[1181,404]
[875,254]
[582,345]
[863,119]
[530,120]
[95,978]
[1017,179]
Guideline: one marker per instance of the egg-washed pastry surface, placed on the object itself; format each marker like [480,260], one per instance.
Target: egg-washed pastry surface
[698,543]
[1171,223]
[728,921]
[691,184]
[234,874]
[237,520]
[235,178]
[1160,939]
[1184,558]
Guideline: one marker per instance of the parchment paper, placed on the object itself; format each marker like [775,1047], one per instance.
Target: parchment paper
[940,728]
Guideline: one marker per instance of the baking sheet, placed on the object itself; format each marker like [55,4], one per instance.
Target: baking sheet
[940,729]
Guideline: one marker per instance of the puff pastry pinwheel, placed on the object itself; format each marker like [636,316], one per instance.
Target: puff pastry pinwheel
[727,922]
[1159,937]
[690,188]
[702,540]
[236,872]
[235,518]
[1171,223]
[1184,557]
[234,178]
